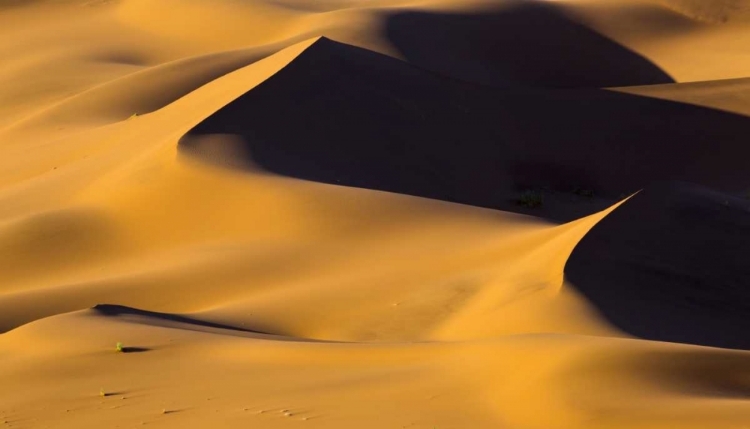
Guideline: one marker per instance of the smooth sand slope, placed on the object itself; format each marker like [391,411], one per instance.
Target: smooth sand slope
[303,214]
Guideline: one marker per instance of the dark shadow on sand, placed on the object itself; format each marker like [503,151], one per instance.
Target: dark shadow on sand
[344,115]
[671,264]
[528,43]
[120,310]
[135,349]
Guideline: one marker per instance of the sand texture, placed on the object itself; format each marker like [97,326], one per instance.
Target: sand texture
[407,214]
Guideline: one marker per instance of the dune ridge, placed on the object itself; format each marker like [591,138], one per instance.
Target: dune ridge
[306,214]
[715,12]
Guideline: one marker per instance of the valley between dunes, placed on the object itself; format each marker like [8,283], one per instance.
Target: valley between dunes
[303,214]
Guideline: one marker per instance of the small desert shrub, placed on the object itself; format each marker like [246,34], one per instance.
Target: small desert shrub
[531,199]
[119,348]
[102,393]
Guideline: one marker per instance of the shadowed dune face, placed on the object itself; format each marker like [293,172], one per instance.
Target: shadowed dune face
[671,265]
[530,43]
[344,115]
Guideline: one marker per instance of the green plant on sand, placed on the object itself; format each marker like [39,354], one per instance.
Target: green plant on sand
[531,199]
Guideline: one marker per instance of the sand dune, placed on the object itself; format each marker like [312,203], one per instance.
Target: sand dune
[689,243]
[463,142]
[730,95]
[297,213]
[511,54]
[719,11]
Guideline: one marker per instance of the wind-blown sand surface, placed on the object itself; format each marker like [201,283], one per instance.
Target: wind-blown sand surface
[303,214]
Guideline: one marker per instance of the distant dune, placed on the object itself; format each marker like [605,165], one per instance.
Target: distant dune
[496,47]
[715,11]
[381,214]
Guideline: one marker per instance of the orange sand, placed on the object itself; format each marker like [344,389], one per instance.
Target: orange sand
[252,297]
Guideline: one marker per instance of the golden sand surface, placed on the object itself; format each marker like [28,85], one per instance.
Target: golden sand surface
[302,214]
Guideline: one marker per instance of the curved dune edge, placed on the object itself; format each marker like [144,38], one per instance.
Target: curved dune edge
[76,286]
[514,380]
[409,125]
[509,379]
[730,95]
[721,11]
[124,272]
[121,137]
[672,246]
[143,91]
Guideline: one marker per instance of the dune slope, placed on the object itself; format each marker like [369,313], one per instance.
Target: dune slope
[673,253]
[384,124]
[286,213]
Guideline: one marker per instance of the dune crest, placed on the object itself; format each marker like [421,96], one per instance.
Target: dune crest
[714,12]
[670,251]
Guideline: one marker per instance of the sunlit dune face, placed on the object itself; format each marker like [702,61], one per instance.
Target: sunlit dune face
[374,214]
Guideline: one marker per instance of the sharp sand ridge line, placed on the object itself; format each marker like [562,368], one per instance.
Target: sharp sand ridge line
[208,68]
